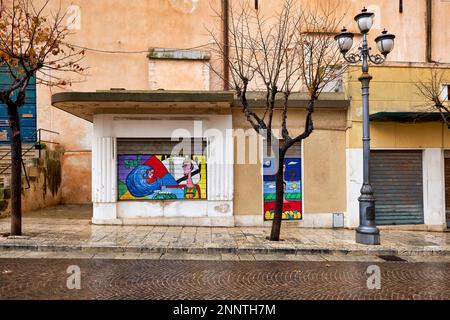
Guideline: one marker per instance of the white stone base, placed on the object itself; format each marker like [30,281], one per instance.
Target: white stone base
[174,209]
[311,220]
[200,213]
[415,227]
[170,221]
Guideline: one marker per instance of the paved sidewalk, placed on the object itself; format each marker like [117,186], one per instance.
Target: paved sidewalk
[68,229]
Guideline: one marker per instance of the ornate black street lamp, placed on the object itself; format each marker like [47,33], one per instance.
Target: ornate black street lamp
[367,232]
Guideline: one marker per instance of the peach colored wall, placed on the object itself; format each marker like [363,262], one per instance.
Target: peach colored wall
[409,26]
[324,164]
[190,75]
[120,25]
[75,180]
[124,25]
[440,27]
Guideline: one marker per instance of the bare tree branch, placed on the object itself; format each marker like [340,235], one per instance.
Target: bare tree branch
[432,91]
[292,50]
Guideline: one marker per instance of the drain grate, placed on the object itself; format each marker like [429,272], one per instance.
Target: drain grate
[391,258]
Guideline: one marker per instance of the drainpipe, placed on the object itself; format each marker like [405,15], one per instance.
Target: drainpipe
[429,31]
[226,45]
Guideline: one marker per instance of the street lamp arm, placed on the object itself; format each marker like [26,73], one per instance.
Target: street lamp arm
[377,58]
[352,57]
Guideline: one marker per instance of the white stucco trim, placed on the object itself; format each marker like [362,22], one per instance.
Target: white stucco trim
[434,187]
[171,208]
[354,174]
[216,210]
[170,221]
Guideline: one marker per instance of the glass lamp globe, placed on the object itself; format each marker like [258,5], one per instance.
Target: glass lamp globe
[344,40]
[385,42]
[364,20]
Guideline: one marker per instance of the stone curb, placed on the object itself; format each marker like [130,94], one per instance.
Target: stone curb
[215,250]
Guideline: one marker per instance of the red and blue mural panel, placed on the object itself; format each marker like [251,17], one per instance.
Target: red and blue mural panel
[292,202]
[158,177]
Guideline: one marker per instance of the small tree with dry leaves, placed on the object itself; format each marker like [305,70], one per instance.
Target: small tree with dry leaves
[291,51]
[432,90]
[32,45]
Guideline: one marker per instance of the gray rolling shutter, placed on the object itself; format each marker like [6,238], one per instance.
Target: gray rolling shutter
[166,146]
[447,188]
[295,150]
[396,178]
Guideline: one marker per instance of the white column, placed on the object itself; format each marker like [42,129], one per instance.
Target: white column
[354,166]
[433,187]
[220,163]
[104,178]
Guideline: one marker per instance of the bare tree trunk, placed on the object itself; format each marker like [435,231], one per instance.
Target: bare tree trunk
[16,171]
[276,224]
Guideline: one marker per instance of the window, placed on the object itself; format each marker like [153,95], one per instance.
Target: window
[27,112]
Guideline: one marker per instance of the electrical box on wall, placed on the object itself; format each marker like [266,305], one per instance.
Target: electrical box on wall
[338,220]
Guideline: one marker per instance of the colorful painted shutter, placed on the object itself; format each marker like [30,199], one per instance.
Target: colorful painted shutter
[158,169]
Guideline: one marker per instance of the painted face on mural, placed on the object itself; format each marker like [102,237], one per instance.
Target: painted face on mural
[187,168]
[151,176]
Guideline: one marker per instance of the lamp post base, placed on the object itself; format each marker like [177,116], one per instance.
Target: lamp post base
[367,238]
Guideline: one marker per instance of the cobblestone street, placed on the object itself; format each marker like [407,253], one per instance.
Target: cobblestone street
[181,279]
[68,228]
[159,262]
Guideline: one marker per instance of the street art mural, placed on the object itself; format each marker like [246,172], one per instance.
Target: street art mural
[159,177]
[292,202]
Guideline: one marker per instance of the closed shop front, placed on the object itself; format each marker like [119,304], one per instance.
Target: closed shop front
[397,181]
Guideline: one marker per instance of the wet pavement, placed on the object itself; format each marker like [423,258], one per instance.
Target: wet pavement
[189,279]
[68,228]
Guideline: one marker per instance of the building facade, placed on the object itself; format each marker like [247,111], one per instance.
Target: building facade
[152,81]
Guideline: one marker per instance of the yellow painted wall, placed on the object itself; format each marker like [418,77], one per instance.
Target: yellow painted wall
[393,89]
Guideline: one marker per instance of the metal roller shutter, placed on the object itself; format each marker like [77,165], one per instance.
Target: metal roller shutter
[295,150]
[163,146]
[447,189]
[396,178]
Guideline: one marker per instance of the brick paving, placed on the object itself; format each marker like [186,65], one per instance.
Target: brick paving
[68,228]
[181,279]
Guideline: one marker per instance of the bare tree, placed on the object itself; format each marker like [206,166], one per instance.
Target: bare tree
[293,50]
[32,45]
[433,91]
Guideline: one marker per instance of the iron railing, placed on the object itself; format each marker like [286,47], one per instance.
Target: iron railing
[36,145]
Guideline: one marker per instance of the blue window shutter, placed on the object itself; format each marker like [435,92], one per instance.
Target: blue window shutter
[27,112]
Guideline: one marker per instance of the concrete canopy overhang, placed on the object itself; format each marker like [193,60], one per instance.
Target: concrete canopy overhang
[87,104]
